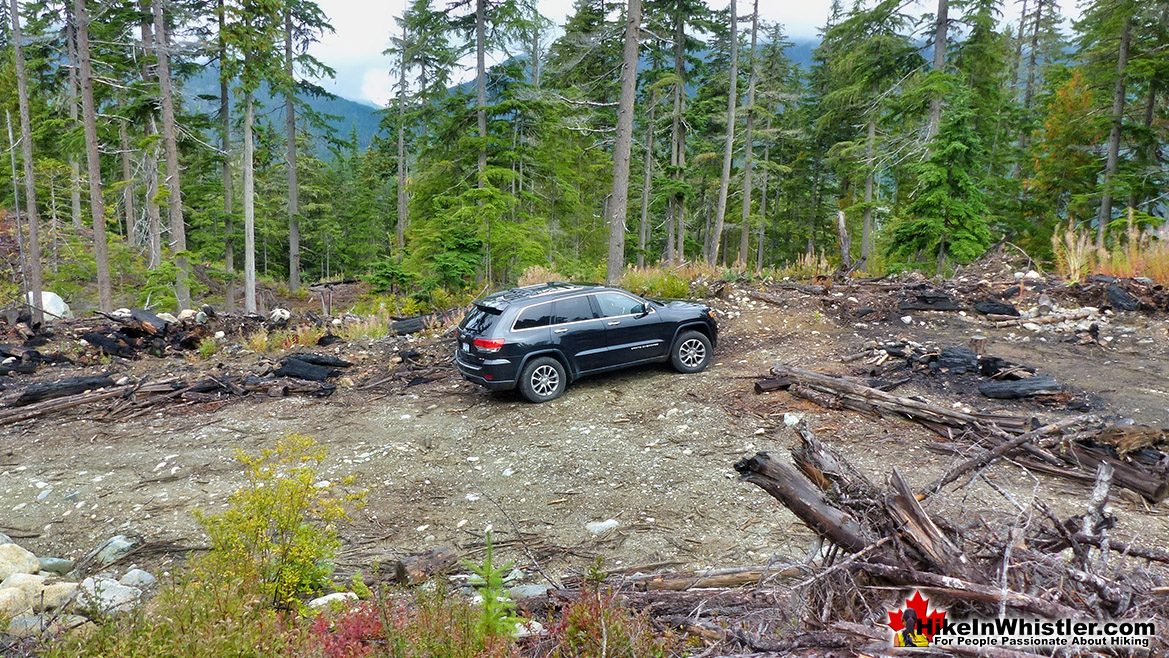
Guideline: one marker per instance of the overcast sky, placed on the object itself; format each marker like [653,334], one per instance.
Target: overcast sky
[362,32]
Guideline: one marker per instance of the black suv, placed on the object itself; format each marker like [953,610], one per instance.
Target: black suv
[539,338]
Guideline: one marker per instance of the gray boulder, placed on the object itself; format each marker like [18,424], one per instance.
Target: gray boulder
[107,595]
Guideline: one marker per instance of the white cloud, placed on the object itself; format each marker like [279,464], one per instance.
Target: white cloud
[376,87]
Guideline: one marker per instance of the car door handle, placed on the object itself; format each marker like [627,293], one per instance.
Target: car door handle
[614,323]
[559,331]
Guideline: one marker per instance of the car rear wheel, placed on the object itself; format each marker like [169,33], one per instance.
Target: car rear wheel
[543,379]
[691,352]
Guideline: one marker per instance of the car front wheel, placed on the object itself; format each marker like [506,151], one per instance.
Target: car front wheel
[543,379]
[691,352]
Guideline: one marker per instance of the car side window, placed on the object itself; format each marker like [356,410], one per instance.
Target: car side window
[573,309]
[534,317]
[614,304]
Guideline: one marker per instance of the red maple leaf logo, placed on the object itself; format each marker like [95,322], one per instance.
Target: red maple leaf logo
[930,621]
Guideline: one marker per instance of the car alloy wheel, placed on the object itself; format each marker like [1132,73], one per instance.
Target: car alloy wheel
[692,353]
[545,380]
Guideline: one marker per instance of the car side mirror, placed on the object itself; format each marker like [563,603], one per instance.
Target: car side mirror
[645,309]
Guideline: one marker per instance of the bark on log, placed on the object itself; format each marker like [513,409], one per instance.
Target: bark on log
[995,307]
[40,391]
[1020,388]
[771,384]
[297,369]
[417,569]
[795,492]
[921,531]
[416,324]
[326,360]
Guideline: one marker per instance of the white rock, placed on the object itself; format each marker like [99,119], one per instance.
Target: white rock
[219,335]
[1032,275]
[138,578]
[1031,326]
[112,549]
[13,601]
[107,595]
[30,584]
[55,596]
[532,627]
[14,559]
[279,315]
[907,319]
[54,307]
[122,314]
[330,599]
[792,419]
[187,314]
[168,318]
[25,626]
[601,527]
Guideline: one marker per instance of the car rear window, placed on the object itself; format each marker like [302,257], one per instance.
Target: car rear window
[479,319]
[534,317]
[573,309]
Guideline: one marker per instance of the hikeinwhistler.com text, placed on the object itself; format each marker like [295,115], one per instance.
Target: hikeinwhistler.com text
[1021,632]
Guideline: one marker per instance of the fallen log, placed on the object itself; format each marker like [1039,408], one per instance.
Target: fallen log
[9,416]
[417,569]
[714,578]
[771,384]
[1079,314]
[995,307]
[326,360]
[40,391]
[297,369]
[795,492]
[418,323]
[1020,388]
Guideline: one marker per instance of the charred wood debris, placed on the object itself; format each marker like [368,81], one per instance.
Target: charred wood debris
[82,363]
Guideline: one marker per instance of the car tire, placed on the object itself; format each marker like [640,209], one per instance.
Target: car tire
[691,352]
[543,379]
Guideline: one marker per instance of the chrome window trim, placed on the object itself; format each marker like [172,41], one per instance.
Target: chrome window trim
[584,294]
[517,317]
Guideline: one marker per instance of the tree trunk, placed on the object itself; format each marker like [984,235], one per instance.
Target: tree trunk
[1032,58]
[22,261]
[870,173]
[93,160]
[249,208]
[619,200]
[844,241]
[677,205]
[1105,214]
[30,189]
[481,86]
[763,202]
[128,210]
[293,186]
[403,201]
[74,99]
[748,147]
[729,148]
[646,184]
[225,147]
[153,214]
[941,25]
[1017,62]
[178,230]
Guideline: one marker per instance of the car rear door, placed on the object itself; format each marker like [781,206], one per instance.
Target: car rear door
[578,334]
[631,334]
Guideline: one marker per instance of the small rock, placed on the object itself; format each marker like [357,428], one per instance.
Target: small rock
[168,318]
[201,317]
[1032,275]
[138,578]
[112,550]
[330,599]
[187,314]
[279,316]
[55,596]
[29,583]
[26,626]
[791,419]
[14,559]
[528,591]
[13,601]
[601,527]
[107,595]
[219,335]
[525,629]
[1031,326]
[59,566]
[907,319]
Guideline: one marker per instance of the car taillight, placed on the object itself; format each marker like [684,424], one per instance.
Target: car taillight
[488,344]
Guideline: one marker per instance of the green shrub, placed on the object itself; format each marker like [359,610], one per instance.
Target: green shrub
[656,282]
[496,617]
[280,528]
[208,347]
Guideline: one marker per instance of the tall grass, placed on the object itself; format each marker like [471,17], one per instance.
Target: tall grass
[1137,253]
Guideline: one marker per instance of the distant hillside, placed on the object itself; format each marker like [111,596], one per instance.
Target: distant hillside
[201,93]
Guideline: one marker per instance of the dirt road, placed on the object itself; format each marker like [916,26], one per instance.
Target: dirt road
[444,461]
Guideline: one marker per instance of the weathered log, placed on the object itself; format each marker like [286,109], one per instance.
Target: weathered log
[995,307]
[956,360]
[771,384]
[110,345]
[317,359]
[39,409]
[959,589]
[418,323]
[19,368]
[297,369]
[1079,314]
[917,526]
[1020,388]
[795,492]
[40,391]
[417,569]
[715,578]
